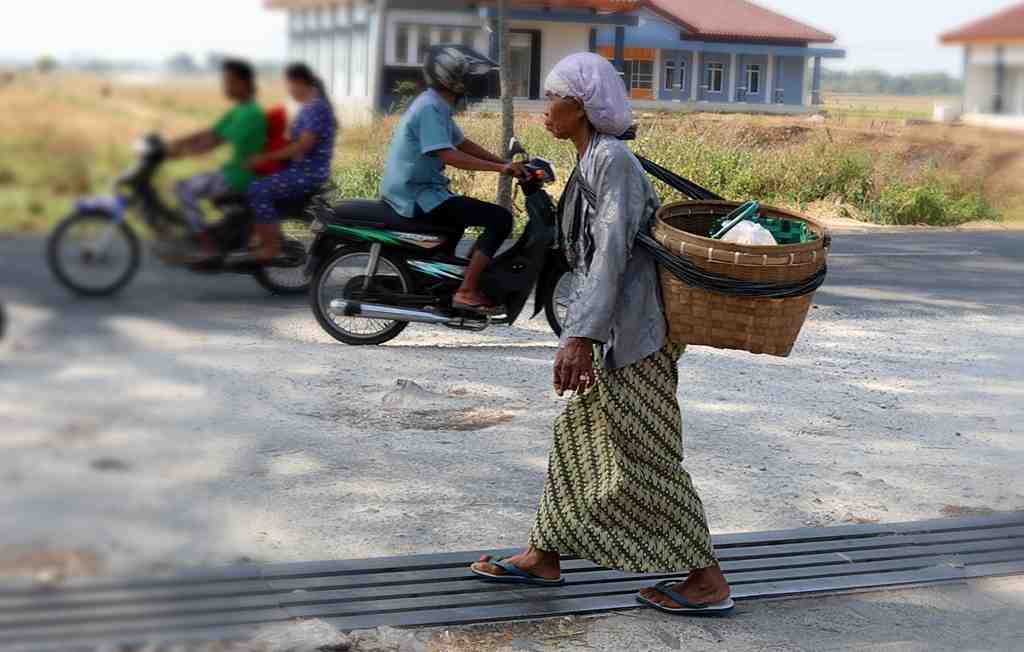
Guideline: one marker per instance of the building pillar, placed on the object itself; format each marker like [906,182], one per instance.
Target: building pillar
[816,83]
[733,75]
[769,80]
[695,77]
[816,98]
[619,55]
[999,103]
[966,77]
[377,65]
[593,39]
[620,49]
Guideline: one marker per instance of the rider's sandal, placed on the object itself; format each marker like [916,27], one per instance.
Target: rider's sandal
[488,311]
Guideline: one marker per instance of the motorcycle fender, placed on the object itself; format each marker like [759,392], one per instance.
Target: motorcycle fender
[554,267]
[112,204]
[321,248]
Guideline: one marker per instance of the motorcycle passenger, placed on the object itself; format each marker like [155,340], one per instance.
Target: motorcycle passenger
[425,141]
[243,127]
[308,158]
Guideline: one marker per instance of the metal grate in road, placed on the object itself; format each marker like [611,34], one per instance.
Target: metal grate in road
[426,590]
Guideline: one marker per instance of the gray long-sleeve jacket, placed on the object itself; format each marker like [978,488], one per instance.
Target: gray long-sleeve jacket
[616,297]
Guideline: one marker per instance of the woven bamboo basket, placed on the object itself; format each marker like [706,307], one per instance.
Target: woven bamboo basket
[703,318]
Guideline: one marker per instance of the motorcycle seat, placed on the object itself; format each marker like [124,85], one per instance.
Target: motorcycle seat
[291,207]
[379,215]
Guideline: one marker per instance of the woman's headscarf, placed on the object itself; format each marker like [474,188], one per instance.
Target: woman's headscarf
[593,80]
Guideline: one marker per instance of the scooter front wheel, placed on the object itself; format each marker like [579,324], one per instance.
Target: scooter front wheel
[92,255]
[344,270]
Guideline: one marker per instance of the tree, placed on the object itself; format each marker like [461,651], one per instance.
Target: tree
[507,106]
[182,63]
[46,64]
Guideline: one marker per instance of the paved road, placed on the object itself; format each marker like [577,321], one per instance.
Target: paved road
[912,266]
[196,419]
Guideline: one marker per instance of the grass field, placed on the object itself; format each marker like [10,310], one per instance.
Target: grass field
[883,106]
[63,136]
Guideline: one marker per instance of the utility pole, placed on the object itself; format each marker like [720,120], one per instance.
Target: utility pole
[507,107]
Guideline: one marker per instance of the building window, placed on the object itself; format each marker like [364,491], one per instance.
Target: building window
[447,35]
[682,74]
[715,78]
[403,37]
[469,37]
[670,75]
[753,79]
[422,44]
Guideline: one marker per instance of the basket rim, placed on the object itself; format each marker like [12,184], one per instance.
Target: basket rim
[709,243]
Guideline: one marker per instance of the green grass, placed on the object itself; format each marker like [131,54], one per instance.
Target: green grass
[732,160]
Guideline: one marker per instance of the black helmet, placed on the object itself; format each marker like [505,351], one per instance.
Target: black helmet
[456,68]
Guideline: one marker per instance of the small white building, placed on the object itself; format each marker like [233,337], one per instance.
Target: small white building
[993,68]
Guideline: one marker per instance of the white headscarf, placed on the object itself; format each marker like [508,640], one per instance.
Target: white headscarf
[593,80]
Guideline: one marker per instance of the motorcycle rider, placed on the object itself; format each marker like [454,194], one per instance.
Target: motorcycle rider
[244,127]
[425,141]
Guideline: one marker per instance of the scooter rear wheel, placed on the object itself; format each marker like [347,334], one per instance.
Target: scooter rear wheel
[337,275]
[289,281]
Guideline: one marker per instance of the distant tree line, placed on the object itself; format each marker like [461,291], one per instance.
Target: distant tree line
[877,82]
[181,63]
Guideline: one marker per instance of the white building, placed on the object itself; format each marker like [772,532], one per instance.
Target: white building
[720,55]
[993,68]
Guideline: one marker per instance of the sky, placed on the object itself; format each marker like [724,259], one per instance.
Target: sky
[898,36]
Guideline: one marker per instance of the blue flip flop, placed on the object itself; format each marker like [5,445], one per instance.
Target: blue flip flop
[687,608]
[517,576]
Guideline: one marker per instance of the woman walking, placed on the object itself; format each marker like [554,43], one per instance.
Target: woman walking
[616,491]
[308,158]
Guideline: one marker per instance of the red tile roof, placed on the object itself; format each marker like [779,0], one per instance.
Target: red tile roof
[737,19]
[718,19]
[1007,25]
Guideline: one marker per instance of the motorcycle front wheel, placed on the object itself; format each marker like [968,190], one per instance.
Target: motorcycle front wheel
[345,270]
[557,305]
[92,255]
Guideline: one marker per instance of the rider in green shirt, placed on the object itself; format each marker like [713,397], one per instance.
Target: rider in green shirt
[244,127]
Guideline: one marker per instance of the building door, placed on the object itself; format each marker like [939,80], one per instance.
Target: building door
[524,60]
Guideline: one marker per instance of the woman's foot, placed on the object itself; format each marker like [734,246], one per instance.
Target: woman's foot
[264,248]
[538,563]
[703,586]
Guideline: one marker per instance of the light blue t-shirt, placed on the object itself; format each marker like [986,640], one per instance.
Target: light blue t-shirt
[414,174]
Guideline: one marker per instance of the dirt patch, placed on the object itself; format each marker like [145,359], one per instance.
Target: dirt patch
[774,135]
[458,420]
[956,511]
[553,634]
[48,566]
[410,406]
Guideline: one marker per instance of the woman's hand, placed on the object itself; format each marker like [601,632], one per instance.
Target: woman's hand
[574,366]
